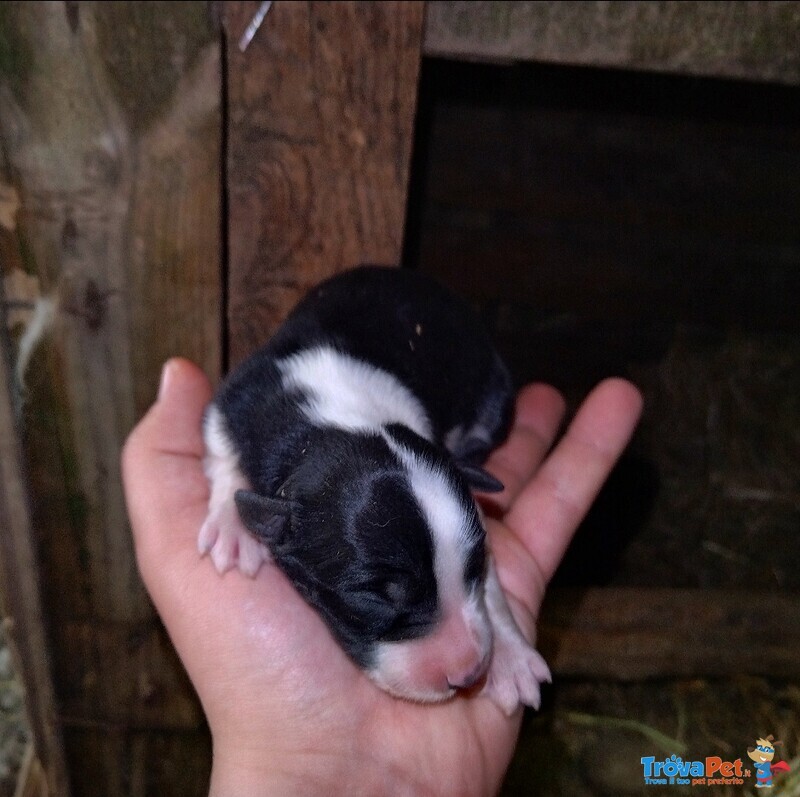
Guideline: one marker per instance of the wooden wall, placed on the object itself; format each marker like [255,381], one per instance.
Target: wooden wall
[113,191]
[111,126]
[754,41]
[321,108]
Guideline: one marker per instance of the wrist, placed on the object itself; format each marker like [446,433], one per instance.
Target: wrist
[305,776]
[232,782]
[266,772]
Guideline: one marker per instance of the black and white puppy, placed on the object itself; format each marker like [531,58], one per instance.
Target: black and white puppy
[347,446]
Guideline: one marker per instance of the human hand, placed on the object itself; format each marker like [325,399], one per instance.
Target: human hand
[288,711]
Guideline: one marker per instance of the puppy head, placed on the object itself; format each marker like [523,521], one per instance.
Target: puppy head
[386,544]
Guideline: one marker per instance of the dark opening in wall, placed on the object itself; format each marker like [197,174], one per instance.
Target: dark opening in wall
[618,223]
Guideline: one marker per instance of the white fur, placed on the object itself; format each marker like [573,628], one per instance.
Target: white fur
[455,437]
[517,669]
[451,532]
[223,535]
[431,668]
[350,394]
[393,671]
[444,515]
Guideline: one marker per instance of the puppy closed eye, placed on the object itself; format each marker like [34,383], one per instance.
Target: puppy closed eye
[395,591]
[391,590]
[370,606]
[382,602]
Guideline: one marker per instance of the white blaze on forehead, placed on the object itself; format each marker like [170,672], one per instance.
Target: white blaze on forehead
[449,521]
[350,394]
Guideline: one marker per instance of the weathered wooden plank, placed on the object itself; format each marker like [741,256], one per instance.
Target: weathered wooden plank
[320,131]
[145,762]
[633,634]
[752,40]
[110,120]
[160,695]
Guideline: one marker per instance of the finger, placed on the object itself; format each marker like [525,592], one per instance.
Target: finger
[520,576]
[539,411]
[172,423]
[165,487]
[549,509]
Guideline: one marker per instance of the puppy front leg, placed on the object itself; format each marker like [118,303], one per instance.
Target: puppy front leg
[516,669]
[223,535]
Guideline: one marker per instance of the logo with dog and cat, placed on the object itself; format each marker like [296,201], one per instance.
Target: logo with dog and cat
[716,771]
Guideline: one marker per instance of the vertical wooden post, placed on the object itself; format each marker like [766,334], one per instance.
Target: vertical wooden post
[321,109]
[110,126]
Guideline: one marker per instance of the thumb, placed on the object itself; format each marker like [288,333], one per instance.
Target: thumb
[165,488]
[172,425]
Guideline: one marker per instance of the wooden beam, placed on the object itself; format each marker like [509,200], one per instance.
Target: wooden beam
[755,41]
[110,123]
[634,634]
[321,109]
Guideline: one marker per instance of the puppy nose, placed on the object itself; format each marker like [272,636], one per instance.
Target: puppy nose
[467,679]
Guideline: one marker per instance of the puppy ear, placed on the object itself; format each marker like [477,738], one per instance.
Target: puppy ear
[264,517]
[479,479]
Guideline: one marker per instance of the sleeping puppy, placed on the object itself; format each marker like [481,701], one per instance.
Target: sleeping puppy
[345,451]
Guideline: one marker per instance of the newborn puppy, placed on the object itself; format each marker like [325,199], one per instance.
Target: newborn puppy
[347,447]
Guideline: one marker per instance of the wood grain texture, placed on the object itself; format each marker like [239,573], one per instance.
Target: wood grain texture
[752,40]
[632,634]
[110,120]
[320,132]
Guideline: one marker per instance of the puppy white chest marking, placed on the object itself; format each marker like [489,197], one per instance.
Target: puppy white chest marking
[351,394]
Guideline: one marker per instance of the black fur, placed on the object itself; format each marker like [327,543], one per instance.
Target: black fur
[346,531]
[412,327]
[335,507]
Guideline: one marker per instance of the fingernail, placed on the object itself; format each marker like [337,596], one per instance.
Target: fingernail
[166,378]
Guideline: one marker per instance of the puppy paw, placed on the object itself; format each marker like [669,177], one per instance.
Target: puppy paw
[229,543]
[515,674]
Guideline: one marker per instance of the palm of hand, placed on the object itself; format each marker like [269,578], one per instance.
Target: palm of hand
[274,685]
